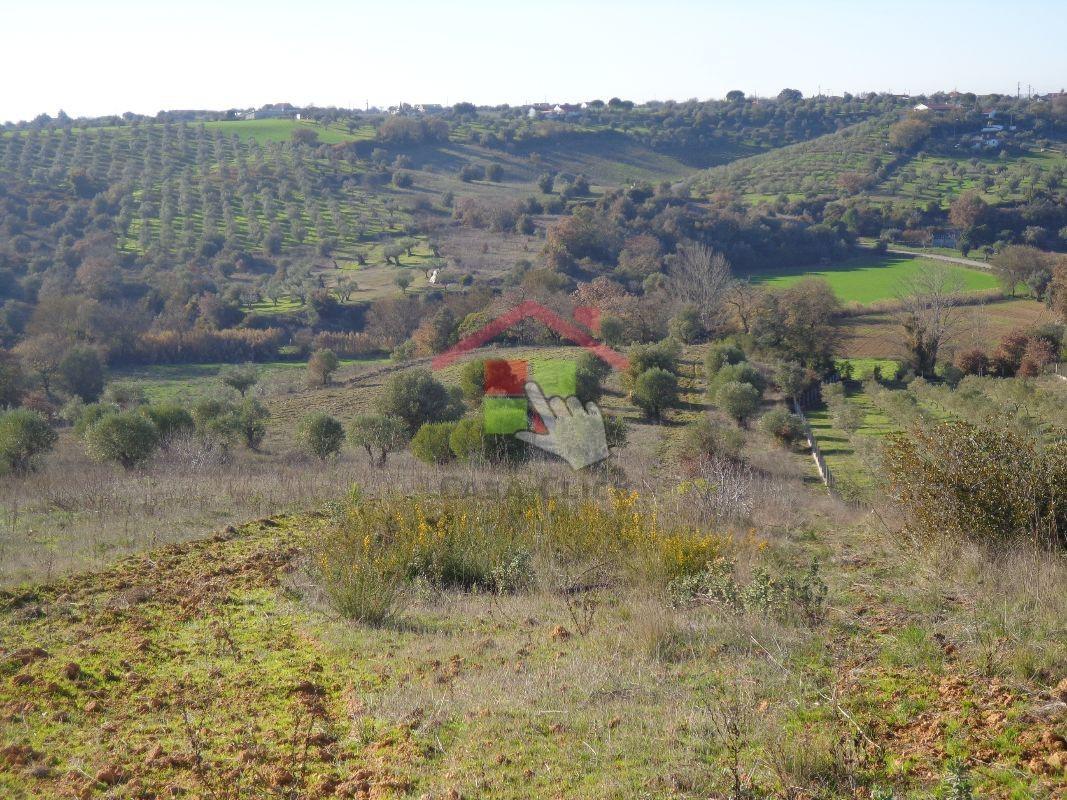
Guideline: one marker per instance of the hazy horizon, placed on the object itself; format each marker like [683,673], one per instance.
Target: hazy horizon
[119,56]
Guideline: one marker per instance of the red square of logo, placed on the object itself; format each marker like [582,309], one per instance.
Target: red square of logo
[505,377]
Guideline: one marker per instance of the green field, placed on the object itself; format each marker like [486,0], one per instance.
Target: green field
[862,368]
[876,276]
[281,130]
[184,383]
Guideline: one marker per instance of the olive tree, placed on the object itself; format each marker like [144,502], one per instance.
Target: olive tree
[417,397]
[654,391]
[171,421]
[250,421]
[378,435]
[785,427]
[739,400]
[24,437]
[320,435]
[126,437]
[241,377]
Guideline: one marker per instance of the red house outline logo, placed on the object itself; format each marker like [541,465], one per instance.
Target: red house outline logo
[566,328]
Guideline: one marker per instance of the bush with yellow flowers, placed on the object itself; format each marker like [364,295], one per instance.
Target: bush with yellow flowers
[378,548]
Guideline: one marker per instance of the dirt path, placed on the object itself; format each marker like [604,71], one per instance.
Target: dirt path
[966,262]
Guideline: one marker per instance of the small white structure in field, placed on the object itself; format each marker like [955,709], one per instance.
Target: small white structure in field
[431,275]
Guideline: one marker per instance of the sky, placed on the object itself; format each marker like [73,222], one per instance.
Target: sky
[96,57]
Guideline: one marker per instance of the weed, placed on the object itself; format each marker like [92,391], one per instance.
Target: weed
[367,560]
[780,597]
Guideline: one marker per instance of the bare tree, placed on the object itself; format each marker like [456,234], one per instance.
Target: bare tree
[743,298]
[930,316]
[700,277]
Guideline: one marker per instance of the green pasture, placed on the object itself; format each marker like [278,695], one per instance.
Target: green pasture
[871,277]
[188,383]
[862,368]
[281,130]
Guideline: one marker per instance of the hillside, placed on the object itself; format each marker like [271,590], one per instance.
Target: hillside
[803,169]
[220,667]
[1008,155]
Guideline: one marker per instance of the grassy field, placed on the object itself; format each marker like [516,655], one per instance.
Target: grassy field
[281,130]
[863,368]
[187,383]
[869,278]
[218,670]
[878,334]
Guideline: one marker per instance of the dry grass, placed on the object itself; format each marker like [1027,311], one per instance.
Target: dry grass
[878,335]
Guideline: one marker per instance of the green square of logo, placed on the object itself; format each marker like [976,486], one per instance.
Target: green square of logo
[504,414]
[555,376]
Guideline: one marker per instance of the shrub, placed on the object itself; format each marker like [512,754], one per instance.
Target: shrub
[320,435]
[126,437]
[643,357]
[785,427]
[89,414]
[416,397]
[742,372]
[655,390]
[984,482]
[612,330]
[215,419]
[472,381]
[321,366]
[471,172]
[170,420]
[614,430]
[739,400]
[719,355]
[24,437]
[593,363]
[708,438]
[430,443]
[467,441]
[685,326]
[972,362]
[125,394]
[378,436]
[586,385]
[81,373]
[368,558]
[250,421]
[240,378]
[847,416]
[784,598]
